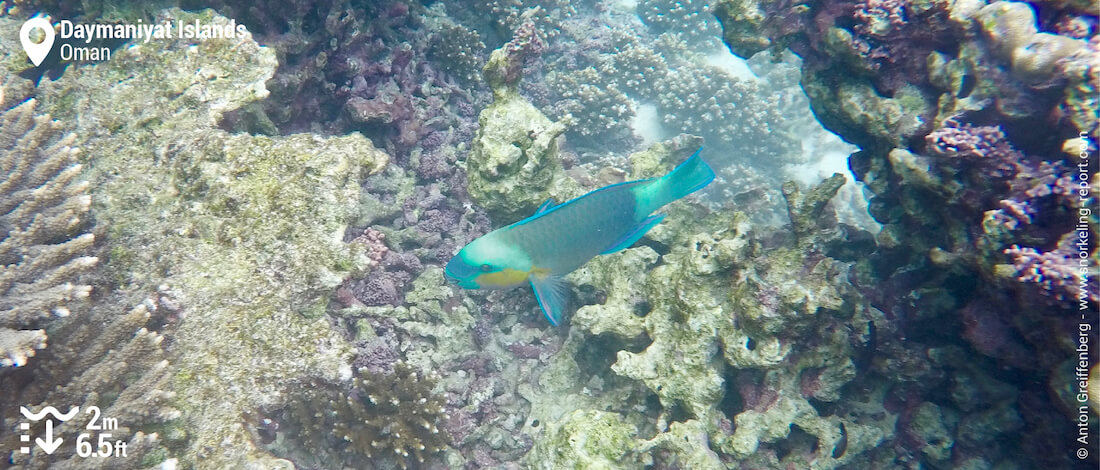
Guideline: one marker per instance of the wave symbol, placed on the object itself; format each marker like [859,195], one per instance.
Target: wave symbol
[49,410]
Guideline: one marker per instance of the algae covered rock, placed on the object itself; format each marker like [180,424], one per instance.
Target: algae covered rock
[932,429]
[245,230]
[724,316]
[514,164]
[587,439]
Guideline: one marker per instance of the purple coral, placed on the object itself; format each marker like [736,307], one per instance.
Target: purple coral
[378,355]
[374,242]
[1059,273]
[983,147]
[526,45]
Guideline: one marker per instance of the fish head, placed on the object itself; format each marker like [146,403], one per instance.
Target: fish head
[488,263]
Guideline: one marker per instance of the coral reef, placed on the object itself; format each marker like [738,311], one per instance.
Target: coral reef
[615,87]
[299,315]
[691,20]
[457,49]
[586,439]
[378,416]
[100,359]
[975,132]
[99,356]
[733,351]
[244,230]
[390,70]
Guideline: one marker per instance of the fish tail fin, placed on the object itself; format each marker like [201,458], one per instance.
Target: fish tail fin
[688,177]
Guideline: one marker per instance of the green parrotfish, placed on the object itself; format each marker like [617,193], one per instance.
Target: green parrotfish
[557,239]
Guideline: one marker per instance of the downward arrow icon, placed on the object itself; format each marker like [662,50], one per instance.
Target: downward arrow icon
[49,445]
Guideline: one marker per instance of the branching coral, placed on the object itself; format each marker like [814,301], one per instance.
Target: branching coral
[245,230]
[104,359]
[1057,272]
[42,247]
[456,48]
[692,20]
[595,112]
[380,416]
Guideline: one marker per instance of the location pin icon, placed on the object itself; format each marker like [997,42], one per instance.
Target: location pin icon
[37,52]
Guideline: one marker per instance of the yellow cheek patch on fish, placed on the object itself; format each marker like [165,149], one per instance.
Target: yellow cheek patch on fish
[503,278]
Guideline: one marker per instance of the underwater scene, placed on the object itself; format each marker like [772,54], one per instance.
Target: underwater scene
[519,234]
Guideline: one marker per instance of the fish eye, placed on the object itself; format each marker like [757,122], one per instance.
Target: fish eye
[486,268]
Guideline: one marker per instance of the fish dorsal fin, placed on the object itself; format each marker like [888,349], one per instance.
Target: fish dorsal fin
[552,292]
[635,233]
[549,204]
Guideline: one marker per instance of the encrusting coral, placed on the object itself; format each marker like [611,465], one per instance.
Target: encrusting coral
[43,243]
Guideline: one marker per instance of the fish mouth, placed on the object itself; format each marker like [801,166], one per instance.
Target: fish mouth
[465,284]
[454,281]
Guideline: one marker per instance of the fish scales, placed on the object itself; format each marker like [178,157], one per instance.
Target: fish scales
[568,236]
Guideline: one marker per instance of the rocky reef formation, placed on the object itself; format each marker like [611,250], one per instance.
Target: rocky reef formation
[978,139]
[737,336]
[713,343]
[514,164]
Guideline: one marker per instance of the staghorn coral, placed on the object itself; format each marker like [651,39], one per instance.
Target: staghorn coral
[378,416]
[108,360]
[104,352]
[43,247]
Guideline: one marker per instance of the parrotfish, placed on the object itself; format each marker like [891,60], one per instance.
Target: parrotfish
[559,238]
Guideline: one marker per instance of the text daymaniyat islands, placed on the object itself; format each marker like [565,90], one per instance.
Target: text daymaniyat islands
[138,32]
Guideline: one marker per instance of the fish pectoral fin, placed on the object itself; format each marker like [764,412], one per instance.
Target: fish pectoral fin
[549,204]
[634,234]
[552,292]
